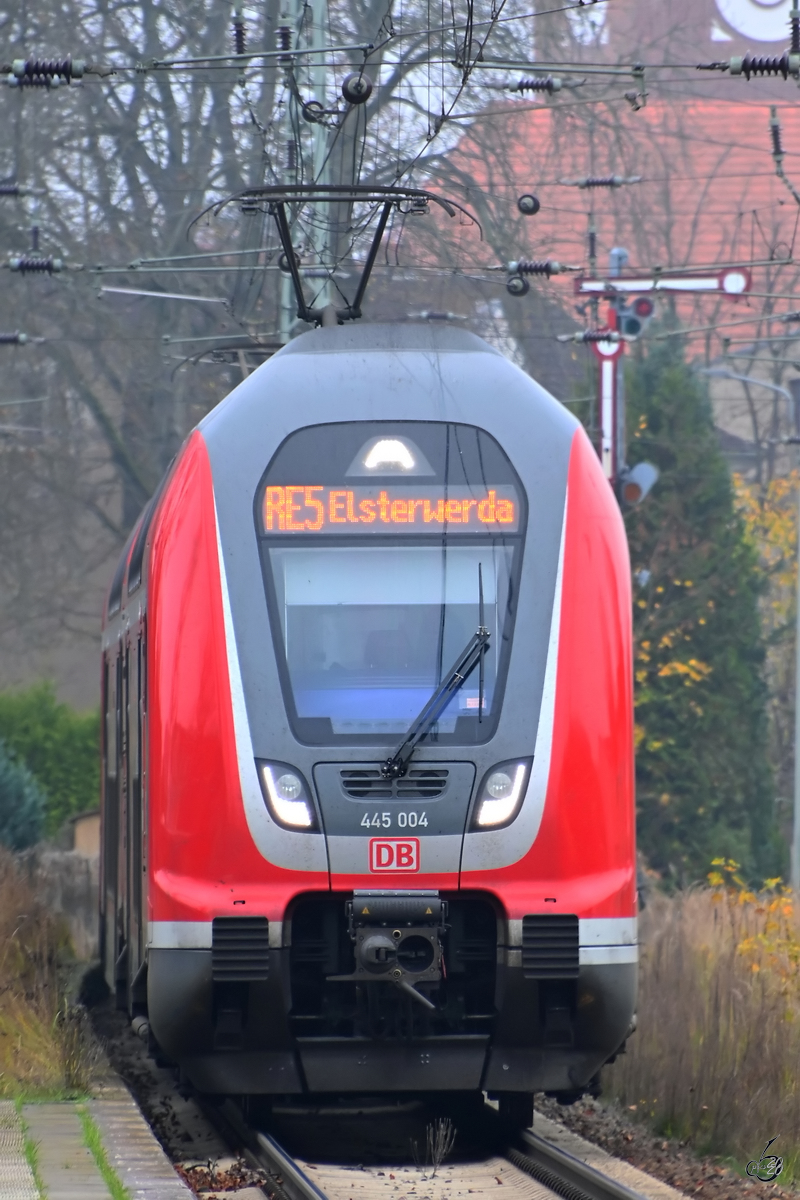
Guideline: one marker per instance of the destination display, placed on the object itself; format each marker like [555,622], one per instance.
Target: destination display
[314,508]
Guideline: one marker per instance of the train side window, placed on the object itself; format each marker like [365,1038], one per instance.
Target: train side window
[137,554]
[135,753]
[115,591]
[134,740]
[111,789]
[123,706]
[111,722]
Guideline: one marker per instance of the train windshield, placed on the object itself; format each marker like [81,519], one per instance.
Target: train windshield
[378,544]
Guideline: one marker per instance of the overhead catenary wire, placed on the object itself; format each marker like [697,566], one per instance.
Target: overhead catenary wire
[492,23]
[778,153]
[165,295]
[398,35]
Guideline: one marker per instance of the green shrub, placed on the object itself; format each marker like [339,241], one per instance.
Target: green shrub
[22,804]
[59,746]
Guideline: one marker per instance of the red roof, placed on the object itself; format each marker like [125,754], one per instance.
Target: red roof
[709,192]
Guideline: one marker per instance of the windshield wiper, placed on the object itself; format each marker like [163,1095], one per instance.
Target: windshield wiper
[396,765]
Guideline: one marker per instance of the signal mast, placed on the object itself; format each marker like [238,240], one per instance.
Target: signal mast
[631,306]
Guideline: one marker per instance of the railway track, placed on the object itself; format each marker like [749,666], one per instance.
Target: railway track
[530,1168]
[335,1153]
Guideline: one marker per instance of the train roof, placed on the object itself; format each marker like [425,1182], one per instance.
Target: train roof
[403,371]
[398,336]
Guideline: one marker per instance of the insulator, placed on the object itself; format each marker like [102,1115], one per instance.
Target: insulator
[536,83]
[283,262]
[599,181]
[313,112]
[13,339]
[239,32]
[284,37]
[25,81]
[527,266]
[592,245]
[528,204]
[35,264]
[16,189]
[794,22]
[590,335]
[55,68]
[598,335]
[775,131]
[291,155]
[356,87]
[766,64]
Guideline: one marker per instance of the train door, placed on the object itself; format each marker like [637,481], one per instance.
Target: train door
[112,672]
[123,703]
[136,993]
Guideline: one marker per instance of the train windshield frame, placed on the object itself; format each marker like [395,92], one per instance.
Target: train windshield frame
[376,538]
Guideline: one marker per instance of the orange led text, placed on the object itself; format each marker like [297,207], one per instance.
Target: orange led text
[314,509]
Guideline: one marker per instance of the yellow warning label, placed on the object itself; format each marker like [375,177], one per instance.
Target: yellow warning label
[428,910]
[365,912]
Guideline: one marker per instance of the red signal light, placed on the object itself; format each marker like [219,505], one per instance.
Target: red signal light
[644,307]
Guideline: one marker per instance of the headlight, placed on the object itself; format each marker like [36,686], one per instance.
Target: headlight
[501,794]
[287,796]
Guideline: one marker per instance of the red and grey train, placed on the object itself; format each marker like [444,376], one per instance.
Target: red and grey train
[368,813]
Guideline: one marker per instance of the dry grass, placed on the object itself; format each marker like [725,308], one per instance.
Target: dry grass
[714,1060]
[45,1049]
[440,1137]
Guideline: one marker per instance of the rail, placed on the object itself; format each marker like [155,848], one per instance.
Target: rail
[564,1174]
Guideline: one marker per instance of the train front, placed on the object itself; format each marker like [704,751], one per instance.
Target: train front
[391,824]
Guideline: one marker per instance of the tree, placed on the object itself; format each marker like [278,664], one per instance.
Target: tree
[58,747]
[704,783]
[123,164]
[769,513]
[21,804]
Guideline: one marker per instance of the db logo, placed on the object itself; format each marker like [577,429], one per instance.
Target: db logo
[394,854]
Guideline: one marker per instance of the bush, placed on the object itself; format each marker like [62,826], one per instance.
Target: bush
[22,804]
[45,1044]
[59,746]
[713,1060]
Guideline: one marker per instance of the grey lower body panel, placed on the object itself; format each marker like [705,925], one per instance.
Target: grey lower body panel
[523,1069]
[259,1073]
[365,1065]
[237,1039]
[533,1049]
[190,1014]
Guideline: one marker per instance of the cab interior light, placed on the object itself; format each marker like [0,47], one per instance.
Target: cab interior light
[391,455]
[502,792]
[389,452]
[286,796]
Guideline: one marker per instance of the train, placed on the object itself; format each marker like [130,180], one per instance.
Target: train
[368,798]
